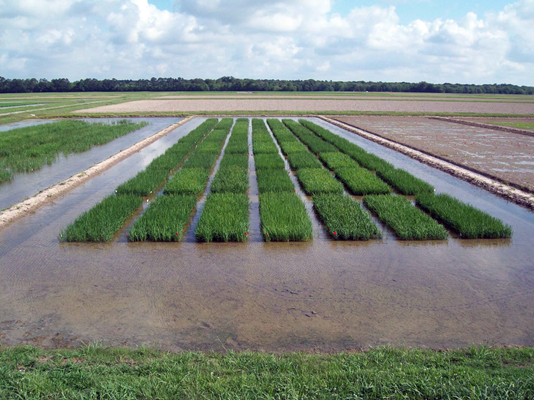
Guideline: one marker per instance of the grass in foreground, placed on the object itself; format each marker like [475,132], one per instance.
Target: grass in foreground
[405,182]
[465,219]
[284,218]
[361,181]
[164,220]
[344,217]
[408,222]
[274,180]
[101,222]
[476,373]
[188,181]
[224,218]
[318,180]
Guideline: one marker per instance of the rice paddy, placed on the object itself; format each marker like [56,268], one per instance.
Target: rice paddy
[407,221]
[316,144]
[274,180]
[284,218]
[187,181]
[303,160]
[404,182]
[318,180]
[361,181]
[463,218]
[232,179]
[268,161]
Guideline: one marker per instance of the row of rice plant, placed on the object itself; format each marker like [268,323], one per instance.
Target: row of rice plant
[262,142]
[315,143]
[468,221]
[318,180]
[282,213]
[238,142]
[404,182]
[344,217]
[101,222]
[407,221]
[29,148]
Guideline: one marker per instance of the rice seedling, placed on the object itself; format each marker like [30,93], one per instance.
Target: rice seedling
[318,180]
[262,142]
[315,143]
[144,183]
[344,217]
[230,180]
[293,147]
[225,218]
[209,147]
[101,222]
[238,142]
[201,160]
[238,159]
[407,221]
[5,175]
[274,180]
[468,221]
[284,218]
[164,220]
[361,181]
[280,132]
[338,160]
[303,160]
[187,181]
[264,147]
[404,182]
[199,132]
[268,161]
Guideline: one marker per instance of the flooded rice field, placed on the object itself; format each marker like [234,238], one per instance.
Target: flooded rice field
[322,294]
[24,185]
[504,155]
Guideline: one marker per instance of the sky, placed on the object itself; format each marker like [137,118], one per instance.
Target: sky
[437,41]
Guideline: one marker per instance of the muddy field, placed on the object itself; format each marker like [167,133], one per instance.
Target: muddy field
[507,156]
[311,105]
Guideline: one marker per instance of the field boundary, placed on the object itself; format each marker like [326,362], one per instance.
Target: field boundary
[507,129]
[60,189]
[490,184]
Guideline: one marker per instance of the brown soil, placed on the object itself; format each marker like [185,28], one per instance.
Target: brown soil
[311,105]
[475,155]
[489,123]
[60,189]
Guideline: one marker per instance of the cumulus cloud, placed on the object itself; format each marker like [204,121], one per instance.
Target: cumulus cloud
[293,39]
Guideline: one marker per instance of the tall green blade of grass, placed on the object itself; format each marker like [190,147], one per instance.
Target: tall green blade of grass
[284,218]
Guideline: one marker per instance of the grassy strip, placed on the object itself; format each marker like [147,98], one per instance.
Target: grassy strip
[344,217]
[518,125]
[269,161]
[224,218]
[318,180]
[284,218]
[187,181]
[338,160]
[201,160]
[5,175]
[303,160]
[361,181]
[408,222]
[404,182]
[316,144]
[274,180]
[101,222]
[280,132]
[164,220]
[145,182]
[91,372]
[238,142]
[262,142]
[465,219]
[230,180]
[239,160]
[293,147]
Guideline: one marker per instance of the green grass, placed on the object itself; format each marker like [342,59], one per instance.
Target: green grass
[280,132]
[164,220]
[404,182]
[187,181]
[464,219]
[338,160]
[293,147]
[268,161]
[407,221]
[264,147]
[284,218]
[5,175]
[94,372]
[17,104]
[101,222]
[238,142]
[262,142]
[361,181]
[239,160]
[318,180]
[209,147]
[344,217]
[274,180]
[201,160]
[144,183]
[518,125]
[316,144]
[30,148]
[303,160]
[224,218]
[232,179]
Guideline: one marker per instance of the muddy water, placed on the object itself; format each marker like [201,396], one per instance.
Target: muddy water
[25,185]
[269,296]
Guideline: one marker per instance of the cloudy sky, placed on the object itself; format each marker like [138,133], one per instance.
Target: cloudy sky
[388,40]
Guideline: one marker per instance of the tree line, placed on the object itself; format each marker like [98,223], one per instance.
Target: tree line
[229,83]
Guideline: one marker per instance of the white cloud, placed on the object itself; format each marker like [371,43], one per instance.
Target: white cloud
[295,39]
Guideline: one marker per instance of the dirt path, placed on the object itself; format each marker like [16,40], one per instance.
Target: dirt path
[31,205]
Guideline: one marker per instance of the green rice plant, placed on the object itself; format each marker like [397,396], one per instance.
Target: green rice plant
[280,132]
[225,218]
[237,159]
[144,183]
[338,160]
[238,142]
[209,147]
[187,181]
[303,160]
[5,175]
[232,179]
[169,160]
[201,160]
[164,220]
[268,161]
[468,221]
[274,180]
[262,142]
[404,182]
[361,181]
[293,147]
[315,143]
[101,222]
[284,218]
[408,222]
[344,217]
[264,147]
[318,180]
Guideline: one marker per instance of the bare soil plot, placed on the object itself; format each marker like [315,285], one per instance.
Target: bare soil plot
[506,156]
[237,105]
